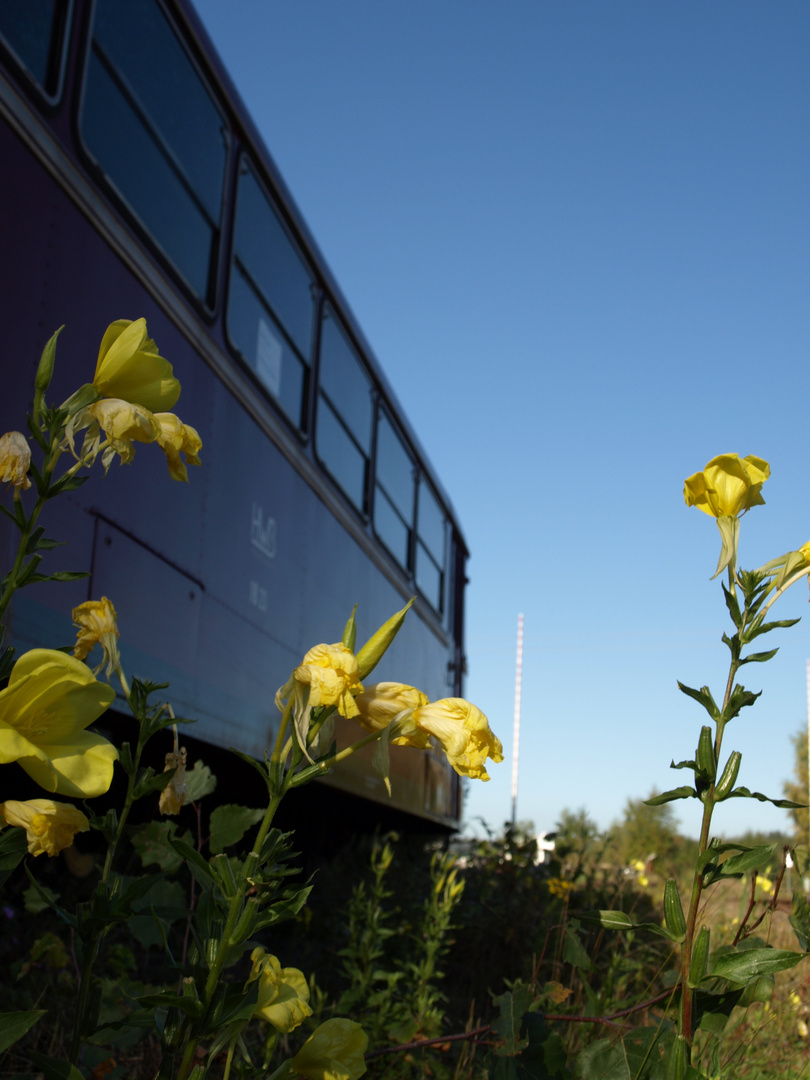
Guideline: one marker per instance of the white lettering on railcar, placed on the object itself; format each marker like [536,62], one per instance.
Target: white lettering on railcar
[258,596]
[262,532]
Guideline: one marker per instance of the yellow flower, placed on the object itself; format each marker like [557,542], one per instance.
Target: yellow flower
[49,701]
[559,887]
[333,1052]
[130,367]
[464,734]
[123,424]
[49,826]
[726,489]
[283,992]
[384,702]
[330,672]
[15,460]
[801,1028]
[174,794]
[728,486]
[96,625]
[175,438]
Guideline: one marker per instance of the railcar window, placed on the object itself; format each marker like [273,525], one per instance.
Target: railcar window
[33,29]
[430,546]
[393,491]
[150,123]
[270,299]
[345,410]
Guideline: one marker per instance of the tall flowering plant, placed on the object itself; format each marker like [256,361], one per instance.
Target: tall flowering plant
[49,702]
[711,983]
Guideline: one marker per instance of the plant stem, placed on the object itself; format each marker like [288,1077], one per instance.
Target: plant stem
[687,993]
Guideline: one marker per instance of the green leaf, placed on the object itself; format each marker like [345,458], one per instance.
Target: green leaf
[54,1068]
[783,804]
[641,1053]
[759,657]
[262,768]
[188,1005]
[752,859]
[574,952]
[196,863]
[758,628]
[619,920]
[13,849]
[200,781]
[740,967]
[733,607]
[740,697]
[512,1006]
[152,842]
[13,1025]
[704,697]
[685,792]
[381,758]
[229,823]
[800,920]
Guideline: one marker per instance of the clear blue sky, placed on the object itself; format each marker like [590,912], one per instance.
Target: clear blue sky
[577,237]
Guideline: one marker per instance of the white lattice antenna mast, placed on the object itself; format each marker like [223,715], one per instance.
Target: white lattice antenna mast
[516,730]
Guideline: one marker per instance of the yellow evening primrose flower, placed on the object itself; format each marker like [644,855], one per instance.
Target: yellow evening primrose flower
[334,1051]
[49,826]
[464,734]
[728,486]
[96,624]
[283,992]
[15,460]
[330,672]
[123,424]
[385,702]
[130,367]
[327,676]
[726,489]
[175,438]
[49,701]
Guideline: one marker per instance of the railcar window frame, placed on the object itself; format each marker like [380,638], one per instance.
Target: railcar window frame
[327,399]
[206,298]
[424,543]
[240,276]
[388,505]
[50,90]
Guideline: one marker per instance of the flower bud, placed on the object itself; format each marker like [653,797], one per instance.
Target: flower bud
[374,649]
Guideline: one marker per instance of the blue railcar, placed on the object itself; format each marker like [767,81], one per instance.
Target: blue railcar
[135,184]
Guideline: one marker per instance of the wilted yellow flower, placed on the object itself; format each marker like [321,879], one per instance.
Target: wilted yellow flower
[15,460]
[174,794]
[795,999]
[283,992]
[330,672]
[130,367]
[728,486]
[464,734]
[384,702]
[175,438]
[49,701]
[123,424]
[49,826]
[96,625]
[801,1028]
[334,1051]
